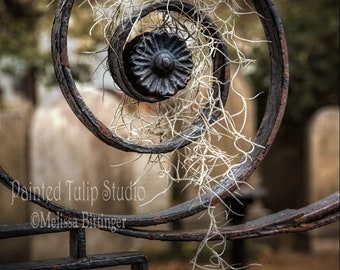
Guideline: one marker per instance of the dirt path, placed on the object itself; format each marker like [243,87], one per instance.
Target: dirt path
[270,261]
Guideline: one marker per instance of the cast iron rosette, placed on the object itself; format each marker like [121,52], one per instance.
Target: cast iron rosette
[158,63]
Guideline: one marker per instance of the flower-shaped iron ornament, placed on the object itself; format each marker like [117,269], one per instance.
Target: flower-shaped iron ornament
[153,66]
[158,64]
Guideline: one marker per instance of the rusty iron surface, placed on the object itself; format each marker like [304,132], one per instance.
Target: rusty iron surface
[288,221]
[265,135]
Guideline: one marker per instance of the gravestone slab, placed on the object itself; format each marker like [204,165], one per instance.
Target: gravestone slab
[13,158]
[323,171]
[81,172]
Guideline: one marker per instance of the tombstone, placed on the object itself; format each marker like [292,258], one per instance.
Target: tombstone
[67,157]
[13,156]
[323,171]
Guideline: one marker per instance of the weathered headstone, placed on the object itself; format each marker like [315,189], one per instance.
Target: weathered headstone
[323,168]
[13,156]
[81,171]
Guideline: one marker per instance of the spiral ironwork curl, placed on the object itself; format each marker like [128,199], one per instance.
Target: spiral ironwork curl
[268,128]
[118,42]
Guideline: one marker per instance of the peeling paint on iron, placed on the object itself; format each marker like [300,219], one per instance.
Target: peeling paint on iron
[159,219]
[64,57]
[104,130]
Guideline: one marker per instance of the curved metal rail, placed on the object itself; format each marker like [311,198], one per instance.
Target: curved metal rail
[307,218]
[266,133]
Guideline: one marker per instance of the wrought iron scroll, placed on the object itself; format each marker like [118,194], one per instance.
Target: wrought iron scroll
[115,61]
[307,218]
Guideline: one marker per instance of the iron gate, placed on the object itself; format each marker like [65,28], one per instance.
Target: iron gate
[315,215]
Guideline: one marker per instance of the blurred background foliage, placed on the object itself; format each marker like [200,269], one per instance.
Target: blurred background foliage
[312,32]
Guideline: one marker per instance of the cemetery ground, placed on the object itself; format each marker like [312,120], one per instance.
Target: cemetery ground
[266,258]
[270,260]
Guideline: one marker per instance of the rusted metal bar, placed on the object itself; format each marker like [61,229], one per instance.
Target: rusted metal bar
[78,258]
[136,260]
[77,243]
[315,215]
[26,229]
